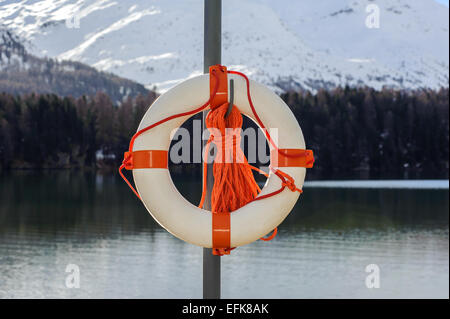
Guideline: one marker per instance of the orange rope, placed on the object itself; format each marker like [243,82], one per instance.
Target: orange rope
[274,233]
[205,172]
[234,184]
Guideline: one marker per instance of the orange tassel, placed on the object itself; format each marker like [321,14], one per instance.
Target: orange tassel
[234,184]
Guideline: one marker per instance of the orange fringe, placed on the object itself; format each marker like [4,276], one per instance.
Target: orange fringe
[234,183]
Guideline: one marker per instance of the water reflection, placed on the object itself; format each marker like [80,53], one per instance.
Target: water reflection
[48,220]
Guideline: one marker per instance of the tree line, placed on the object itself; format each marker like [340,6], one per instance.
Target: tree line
[386,133]
[48,131]
[351,130]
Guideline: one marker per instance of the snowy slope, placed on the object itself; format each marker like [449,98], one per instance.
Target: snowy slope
[284,43]
[24,73]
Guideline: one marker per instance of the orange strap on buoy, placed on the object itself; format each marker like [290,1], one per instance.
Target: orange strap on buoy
[291,157]
[220,96]
[221,233]
[147,159]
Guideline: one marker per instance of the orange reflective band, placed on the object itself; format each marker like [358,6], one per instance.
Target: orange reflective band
[291,157]
[221,230]
[147,159]
[221,95]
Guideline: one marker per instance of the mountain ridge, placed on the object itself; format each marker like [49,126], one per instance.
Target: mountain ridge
[23,73]
[288,45]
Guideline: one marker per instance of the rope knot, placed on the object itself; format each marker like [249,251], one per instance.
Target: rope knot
[128,160]
[288,181]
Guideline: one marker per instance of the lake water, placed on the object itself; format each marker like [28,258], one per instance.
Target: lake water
[53,219]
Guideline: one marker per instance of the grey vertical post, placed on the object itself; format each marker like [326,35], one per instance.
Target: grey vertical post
[212,56]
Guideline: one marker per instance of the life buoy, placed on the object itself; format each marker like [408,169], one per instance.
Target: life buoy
[149,162]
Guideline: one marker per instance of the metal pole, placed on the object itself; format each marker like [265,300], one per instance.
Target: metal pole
[212,56]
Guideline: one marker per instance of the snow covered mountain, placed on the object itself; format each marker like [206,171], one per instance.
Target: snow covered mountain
[301,44]
[23,73]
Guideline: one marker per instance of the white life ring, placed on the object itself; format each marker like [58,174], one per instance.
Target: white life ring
[181,218]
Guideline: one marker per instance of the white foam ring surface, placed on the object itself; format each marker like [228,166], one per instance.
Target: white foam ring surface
[183,219]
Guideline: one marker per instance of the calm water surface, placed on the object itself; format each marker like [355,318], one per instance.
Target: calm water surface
[50,220]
